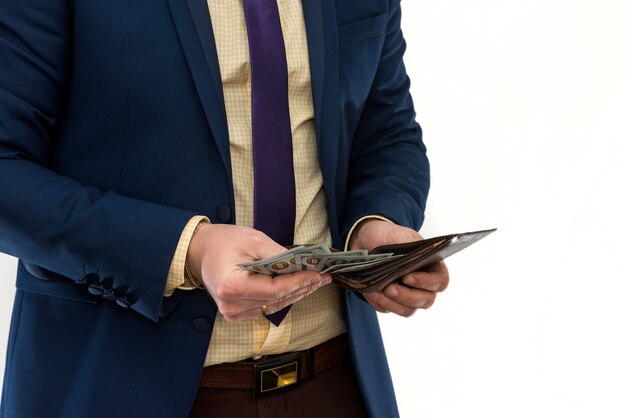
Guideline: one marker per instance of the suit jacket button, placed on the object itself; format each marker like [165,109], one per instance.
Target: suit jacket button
[90,278]
[109,295]
[95,289]
[224,214]
[107,283]
[123,302]
[201,324]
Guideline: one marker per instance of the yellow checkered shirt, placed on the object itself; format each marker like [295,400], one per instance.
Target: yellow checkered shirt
[318,317]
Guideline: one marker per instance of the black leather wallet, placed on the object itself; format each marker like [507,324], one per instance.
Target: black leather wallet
[409,257]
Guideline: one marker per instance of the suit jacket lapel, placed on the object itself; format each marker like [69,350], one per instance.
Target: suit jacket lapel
[314,23]
[195,32]
[321,27]
[193,25]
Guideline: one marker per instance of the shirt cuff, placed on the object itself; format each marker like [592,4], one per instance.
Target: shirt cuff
[357,223]
[176,277]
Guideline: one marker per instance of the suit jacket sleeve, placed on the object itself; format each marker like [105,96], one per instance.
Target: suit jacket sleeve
[389,171]
[52,221]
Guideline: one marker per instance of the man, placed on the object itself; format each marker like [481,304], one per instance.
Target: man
[131,176]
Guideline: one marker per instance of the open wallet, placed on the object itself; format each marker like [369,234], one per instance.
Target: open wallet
[407,257]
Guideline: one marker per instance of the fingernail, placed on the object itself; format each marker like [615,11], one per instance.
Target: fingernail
[393,292]
[313,280]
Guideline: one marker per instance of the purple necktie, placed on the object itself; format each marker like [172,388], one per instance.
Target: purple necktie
[274,184]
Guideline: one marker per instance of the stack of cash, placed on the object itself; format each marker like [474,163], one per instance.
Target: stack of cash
[314,258]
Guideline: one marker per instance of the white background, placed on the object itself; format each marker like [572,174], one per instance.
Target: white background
[523,106]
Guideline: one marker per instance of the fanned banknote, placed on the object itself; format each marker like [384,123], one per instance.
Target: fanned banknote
[364,271]
[310,257]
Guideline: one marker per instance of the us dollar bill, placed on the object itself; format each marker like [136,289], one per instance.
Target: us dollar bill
[312,258]
[314,261]
[282,263]
[333,261]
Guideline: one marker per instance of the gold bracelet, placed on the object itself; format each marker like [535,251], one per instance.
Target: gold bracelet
[191,278]
[188,274]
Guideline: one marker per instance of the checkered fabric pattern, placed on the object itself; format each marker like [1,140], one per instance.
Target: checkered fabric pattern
[318,317]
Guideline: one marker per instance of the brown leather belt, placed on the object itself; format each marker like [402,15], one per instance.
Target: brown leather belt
[276,372]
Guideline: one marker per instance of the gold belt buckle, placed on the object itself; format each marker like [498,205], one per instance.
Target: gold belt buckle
[276,373]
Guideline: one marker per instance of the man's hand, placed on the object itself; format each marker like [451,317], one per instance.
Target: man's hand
[213,255]
[418,289]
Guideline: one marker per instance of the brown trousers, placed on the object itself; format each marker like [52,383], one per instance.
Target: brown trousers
[332,393]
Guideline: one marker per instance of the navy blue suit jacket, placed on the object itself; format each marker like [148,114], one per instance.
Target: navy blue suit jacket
[113,134]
